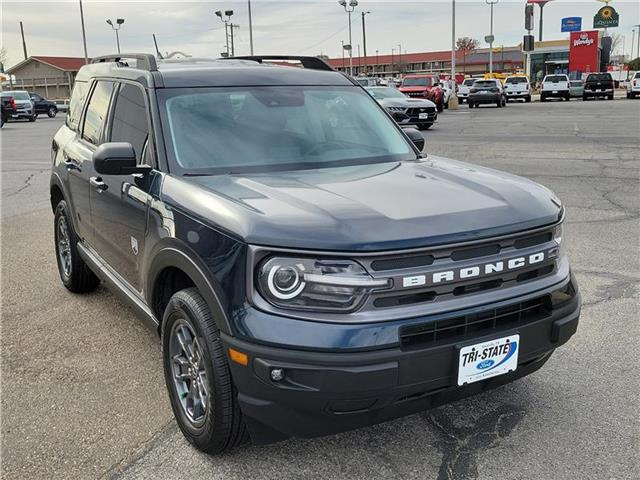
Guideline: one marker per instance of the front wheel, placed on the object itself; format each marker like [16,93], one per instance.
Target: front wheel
[610,97]
[52,112]
[470,104]
[528,99]
[76,276]
[33,118]
[440,106]
[424,126]
[201,390]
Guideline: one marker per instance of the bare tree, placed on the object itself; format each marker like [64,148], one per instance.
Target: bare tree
[3,55]
[467,46]
[616,40]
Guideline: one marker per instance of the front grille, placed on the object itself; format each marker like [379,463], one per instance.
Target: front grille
[414,112]
[457,328]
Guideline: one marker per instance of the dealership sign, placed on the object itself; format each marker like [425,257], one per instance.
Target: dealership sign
[606,17]
[571,24]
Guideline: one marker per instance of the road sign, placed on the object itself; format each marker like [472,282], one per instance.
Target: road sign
[571,24]
[489,38]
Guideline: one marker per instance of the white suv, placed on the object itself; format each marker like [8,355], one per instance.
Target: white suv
[633,86]
[555,86]
[463,89]
[517,87]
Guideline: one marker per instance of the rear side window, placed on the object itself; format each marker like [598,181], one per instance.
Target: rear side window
[76,103]
[97,112]
[130,118]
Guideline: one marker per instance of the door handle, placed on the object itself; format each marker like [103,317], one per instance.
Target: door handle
[70,164]
[99,185]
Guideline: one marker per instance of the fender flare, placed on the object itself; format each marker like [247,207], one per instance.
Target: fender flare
[174,254]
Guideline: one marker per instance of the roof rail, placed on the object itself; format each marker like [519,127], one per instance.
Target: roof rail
[313,63]
[146,61]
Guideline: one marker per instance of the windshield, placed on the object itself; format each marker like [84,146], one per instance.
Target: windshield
[516,80]
[17,95]
[417,82]
[556,78]
[262,129]
[469,82]
[386,92]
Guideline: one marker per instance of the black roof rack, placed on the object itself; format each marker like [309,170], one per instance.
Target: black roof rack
[313,63]
[146,61]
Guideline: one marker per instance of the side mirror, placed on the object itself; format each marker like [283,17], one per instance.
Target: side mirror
[117,158]
[416,137]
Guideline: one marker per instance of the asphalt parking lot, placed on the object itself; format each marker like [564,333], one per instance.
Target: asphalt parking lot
[83,393]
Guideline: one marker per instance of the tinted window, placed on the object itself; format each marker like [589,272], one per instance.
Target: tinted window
[599,77]
[97,112]
[556,78]
[221,130]
[76,103]
[130,118]
[18,95]
[469,82]
[416,82]
[516,80]
[485,84]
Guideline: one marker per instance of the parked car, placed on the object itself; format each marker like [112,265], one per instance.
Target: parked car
[464,87]
[42,105]
[517,87]
[555,86]
[404,110]
[598,85]
[485,92]
[633,86]
[8,108]
[24,105]
[448,87]
[427,86]
[307,268]
[576,88]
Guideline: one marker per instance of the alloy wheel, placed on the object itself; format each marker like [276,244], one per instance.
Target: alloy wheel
[64,246]
[188,372]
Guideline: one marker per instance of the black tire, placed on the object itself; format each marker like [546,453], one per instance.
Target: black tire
[543,98]
[33,118]
[78,277]
[610,97]
[424,126]
[584,98]
[527,99]
[52,112]
[470,104]
[222,426]
[440,105]
[499,103]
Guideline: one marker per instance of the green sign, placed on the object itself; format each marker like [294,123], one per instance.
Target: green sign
[606,17]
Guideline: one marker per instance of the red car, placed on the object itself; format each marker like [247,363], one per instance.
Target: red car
[424,86]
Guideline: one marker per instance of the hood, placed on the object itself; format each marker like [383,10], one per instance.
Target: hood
[23,102]
[407,103]
[378,207]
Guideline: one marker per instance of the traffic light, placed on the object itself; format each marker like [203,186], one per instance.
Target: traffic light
[527,43]
[528,17]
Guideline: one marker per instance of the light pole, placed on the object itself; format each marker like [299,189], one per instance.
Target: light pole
[349,7]
[364,39]
[491,3]
[250,28]
[84,36]
[119,22]
[377,61]
[227,26]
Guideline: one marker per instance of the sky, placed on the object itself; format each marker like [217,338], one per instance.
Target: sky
[302,27]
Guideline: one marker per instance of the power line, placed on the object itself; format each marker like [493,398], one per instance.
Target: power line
[326,39]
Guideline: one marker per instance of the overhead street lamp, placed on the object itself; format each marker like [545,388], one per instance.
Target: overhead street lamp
[364,39]
[119,22]
[228,26]
[490,38]
[349,7]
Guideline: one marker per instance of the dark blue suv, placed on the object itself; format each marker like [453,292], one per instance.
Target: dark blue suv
[309,270]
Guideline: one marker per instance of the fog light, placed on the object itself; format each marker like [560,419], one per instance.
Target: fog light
[277,374]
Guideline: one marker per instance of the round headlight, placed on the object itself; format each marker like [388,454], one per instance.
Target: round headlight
[285,282]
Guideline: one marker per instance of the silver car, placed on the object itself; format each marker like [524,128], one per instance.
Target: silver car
[576,88]
[24,105]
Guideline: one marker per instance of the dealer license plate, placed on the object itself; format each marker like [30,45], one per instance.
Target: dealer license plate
[423,116]
[488,359]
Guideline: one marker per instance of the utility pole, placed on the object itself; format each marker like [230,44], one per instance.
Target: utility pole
[250,28]
[364,39]
[24,44]
[84,35]
[542,4]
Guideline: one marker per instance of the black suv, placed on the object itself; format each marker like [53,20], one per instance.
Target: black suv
[308,269]
[42,105]
[598,85]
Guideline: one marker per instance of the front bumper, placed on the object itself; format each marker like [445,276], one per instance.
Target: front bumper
[517,94]
[554,93]
[326,392]
[22,113]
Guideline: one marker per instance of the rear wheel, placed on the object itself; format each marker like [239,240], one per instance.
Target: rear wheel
[52,112]
[201,391]
[74,273]
[610,97]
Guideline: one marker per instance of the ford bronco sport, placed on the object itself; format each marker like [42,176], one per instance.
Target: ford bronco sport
[307,268]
